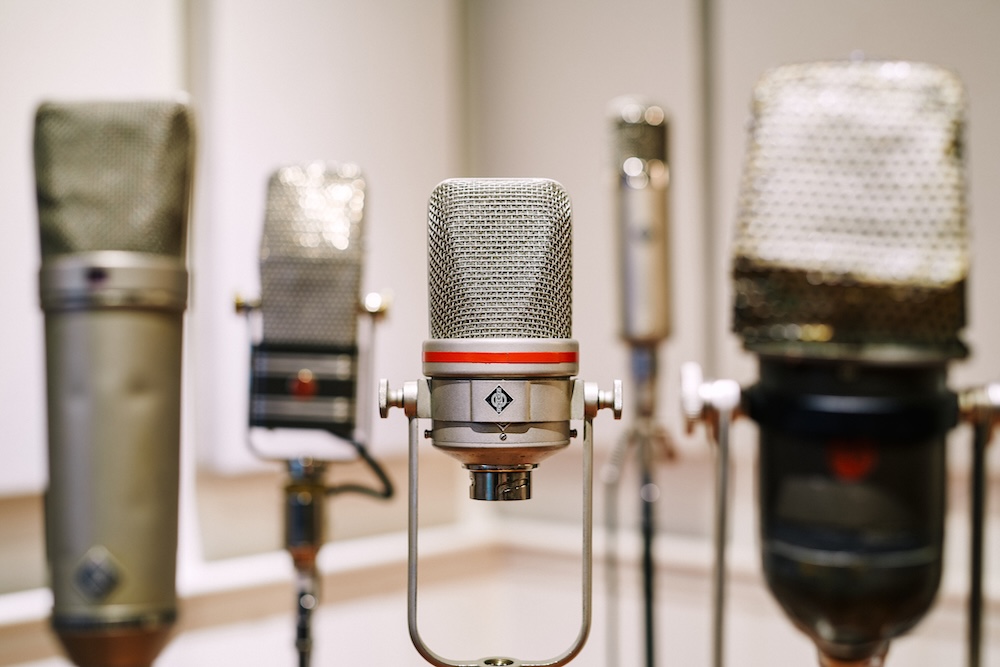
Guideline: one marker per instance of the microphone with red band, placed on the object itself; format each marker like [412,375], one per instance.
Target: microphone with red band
[501,389]
[500,356]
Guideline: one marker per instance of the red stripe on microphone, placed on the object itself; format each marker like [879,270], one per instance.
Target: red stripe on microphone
[500,357]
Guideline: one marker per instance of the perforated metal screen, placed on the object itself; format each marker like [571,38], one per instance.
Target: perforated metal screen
[500,259]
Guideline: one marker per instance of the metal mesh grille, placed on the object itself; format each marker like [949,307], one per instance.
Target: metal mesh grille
[113,176]
[851,224]
[640,130]
[499,254]
[311,255]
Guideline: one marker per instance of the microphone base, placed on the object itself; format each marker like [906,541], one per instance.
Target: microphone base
[500,483]
[115,647]
[874,658]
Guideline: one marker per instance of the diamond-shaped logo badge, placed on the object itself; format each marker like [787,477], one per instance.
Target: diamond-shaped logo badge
[97,575]
[499,399]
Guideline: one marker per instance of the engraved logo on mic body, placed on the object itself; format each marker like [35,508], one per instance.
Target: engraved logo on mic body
[499,399]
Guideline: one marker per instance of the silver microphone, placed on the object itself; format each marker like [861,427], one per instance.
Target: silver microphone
[304,368]
[500,362]
[305,365]
[642,174]
[641,186]
[114,184]
[500,356]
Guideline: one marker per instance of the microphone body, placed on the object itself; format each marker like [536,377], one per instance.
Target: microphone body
[849,275]
[304,368]
[500,359]
[642,175]
[113,183]
[852,496]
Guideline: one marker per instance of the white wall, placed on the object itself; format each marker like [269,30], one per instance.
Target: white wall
[279,83]
[57,50]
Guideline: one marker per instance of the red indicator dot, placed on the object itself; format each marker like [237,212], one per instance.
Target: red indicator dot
[852,460]
[303,385]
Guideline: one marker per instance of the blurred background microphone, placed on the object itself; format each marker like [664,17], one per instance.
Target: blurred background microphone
[306,366]
[850,266]
[641,188]
[642,178]
[114,184]
[850,262]
[500,360]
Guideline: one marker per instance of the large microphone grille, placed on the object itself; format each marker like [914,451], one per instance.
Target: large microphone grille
[113,176]
[311,255]
[851,225]
[499,254]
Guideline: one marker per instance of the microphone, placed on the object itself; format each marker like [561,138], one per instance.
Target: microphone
[642,178]
[304,368]
[305,365]
[849,273]
[113,185]
[641,182]
[500,360]
[500,356]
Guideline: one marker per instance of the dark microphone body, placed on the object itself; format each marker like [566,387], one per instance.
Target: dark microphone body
[113,184]
[850,262]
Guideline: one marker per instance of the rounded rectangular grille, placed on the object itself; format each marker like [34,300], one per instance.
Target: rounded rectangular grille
[851,223]
[499,255]
[311,255]
[113,176]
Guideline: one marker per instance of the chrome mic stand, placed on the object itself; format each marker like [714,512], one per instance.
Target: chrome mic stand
[651,443]
[716,404]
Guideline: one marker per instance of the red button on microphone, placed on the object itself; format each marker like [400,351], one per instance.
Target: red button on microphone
[304,384]
[852,461]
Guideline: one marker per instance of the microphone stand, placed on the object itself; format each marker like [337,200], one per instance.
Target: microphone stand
[981,407]
[715,404]
[305,524]
[650,442]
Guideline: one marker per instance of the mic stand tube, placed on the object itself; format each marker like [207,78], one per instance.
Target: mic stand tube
[715,404]
[304,526]
[981,407]
[651,443]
